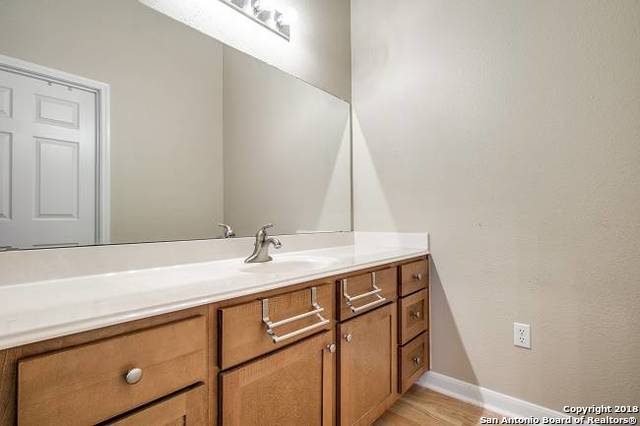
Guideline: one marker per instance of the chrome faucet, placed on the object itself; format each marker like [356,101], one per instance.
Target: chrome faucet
[261,249]
[228,231]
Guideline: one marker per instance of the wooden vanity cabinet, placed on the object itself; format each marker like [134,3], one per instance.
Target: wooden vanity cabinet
[338,350]
[367,366]
[291,387]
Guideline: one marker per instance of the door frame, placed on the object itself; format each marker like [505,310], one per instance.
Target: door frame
[102,92]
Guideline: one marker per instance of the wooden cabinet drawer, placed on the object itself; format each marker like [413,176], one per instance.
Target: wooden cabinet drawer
[363,292]
[244,333]
[294,386]
[414,315]
[414,276]
[86,384]
[187,408]
[414,361]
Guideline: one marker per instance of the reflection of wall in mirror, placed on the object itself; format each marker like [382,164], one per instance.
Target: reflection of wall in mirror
[286,150]
[166,109]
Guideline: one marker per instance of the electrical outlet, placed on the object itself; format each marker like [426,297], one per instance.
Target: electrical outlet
[522,335]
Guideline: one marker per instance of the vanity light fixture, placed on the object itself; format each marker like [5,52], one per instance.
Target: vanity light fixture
[262,12]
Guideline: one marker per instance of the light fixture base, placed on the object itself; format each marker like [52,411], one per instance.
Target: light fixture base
[267,18]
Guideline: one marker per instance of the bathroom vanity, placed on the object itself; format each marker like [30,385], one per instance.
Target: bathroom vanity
[181,331]
[336,349]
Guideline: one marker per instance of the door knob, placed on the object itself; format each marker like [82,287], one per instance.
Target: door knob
[331,348]
[417,360]
[133,376]
[417,276]
[348,337]
[416,314]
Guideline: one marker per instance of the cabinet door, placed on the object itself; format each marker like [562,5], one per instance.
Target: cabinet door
[294,386]
[186,408]
[368,368]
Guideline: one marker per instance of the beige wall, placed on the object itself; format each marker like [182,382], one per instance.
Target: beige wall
[286,151]
[166,105]
[319,50]
[510,130]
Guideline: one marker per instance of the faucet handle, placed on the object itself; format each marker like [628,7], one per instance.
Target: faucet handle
[228,231]
[263,229]
[261,235]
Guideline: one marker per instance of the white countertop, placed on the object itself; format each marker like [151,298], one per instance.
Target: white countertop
[45,309]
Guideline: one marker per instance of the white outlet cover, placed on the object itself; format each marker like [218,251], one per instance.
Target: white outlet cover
[522,335]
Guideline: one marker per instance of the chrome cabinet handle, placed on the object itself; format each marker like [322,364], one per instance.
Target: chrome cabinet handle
[375,292]
[271,326]
[331,348]
[133,376]
[348,337]
[417,276]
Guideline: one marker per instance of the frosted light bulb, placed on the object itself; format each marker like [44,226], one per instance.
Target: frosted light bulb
[287,18]
[263,5]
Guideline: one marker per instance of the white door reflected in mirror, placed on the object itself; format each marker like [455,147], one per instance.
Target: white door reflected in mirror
[47,163]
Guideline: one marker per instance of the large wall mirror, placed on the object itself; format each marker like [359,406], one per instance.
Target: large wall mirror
[119,124]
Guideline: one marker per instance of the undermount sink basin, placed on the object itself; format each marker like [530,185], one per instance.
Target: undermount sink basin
[286,264]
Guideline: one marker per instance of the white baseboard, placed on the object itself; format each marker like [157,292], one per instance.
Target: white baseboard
[496,402]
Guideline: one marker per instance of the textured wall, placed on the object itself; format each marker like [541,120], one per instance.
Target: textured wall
[510,130]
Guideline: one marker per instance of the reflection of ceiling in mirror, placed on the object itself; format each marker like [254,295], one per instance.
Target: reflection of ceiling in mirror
[316,52]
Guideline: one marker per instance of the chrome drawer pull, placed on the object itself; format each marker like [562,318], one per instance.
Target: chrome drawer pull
[133,376]
[291,319]
[375,292]
[380,300]
[272,325]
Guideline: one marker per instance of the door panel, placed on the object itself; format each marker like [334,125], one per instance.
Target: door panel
[5,176]
[47,163]
[367,368]
[5,101]
[292,387]
[56,178]
[58,112]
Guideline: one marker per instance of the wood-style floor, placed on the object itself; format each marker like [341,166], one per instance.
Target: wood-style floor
[420,407]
